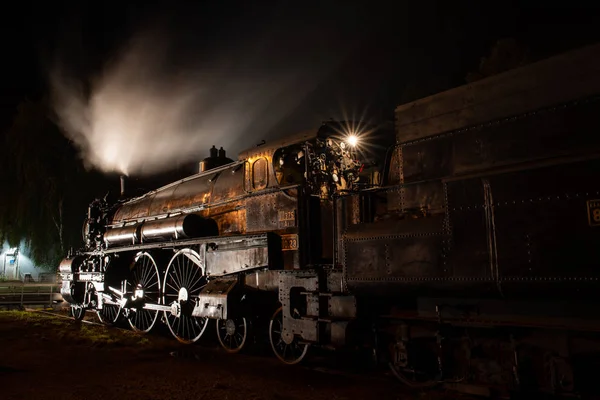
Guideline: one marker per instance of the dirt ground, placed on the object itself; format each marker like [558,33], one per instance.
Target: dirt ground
[47,357]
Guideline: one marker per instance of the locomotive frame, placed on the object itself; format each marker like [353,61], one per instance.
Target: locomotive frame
[256,254]
[485,217]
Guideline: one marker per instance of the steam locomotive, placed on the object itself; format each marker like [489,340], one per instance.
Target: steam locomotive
[484,213]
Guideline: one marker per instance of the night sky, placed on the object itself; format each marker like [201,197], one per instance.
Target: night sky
[316,60]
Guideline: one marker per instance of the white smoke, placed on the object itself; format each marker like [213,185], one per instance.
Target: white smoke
[150,112]
[134,120]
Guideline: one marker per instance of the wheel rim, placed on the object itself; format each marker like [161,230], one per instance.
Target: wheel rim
[183,282]
[144,284]
[232,334]
[109,314]
[414,376]
[78,312]
[412,380]
[291,353]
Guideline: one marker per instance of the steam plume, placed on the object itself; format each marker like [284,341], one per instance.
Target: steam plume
[142,115]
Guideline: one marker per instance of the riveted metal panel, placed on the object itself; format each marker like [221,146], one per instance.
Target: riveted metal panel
[303,326]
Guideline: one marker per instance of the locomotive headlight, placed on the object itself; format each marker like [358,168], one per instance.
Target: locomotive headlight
[352,140]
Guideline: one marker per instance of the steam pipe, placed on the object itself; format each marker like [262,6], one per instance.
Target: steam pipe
[122,185]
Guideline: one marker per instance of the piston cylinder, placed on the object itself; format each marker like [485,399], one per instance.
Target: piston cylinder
[123,235]
[182,226]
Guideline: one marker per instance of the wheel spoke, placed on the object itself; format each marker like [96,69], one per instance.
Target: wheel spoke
[77,312]
[291,353]
[180,292]
[232,334]
[144,276]
[109,314]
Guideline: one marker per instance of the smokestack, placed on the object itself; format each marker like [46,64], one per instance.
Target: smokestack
[217,158]
[122,185]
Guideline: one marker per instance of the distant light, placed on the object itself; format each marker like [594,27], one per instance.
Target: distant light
[352,140]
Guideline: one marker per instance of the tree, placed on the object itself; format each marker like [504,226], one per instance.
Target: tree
[506,54]
[46,188]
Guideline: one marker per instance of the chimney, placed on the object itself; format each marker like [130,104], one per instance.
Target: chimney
[217,158]
[122,185]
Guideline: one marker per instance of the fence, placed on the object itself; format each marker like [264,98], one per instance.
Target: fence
[20,294]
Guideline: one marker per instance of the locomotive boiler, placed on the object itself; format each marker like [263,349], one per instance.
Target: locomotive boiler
[484,213]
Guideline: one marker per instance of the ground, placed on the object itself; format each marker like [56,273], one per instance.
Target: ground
[48,357]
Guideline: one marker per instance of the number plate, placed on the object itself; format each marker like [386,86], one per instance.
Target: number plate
[287,215]
[593,207]
[289,242]
[287,218]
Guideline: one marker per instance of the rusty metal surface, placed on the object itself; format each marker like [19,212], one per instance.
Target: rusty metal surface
[543,233]
[426,196]
[315,307]
[244,254]
[240,198]
[277,212]
[537,136]
[335,281]
[341,307]
[230,217]
[522,231]
[186,195]
[468,259]
[393,252]
[226,184]
[267,280]
[272,211]
[277,144]
[427,160]
[302,324]
[218,299]
[560,131]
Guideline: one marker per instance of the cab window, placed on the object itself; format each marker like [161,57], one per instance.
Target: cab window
[288,164]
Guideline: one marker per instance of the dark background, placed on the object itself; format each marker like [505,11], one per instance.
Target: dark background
[370,56]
